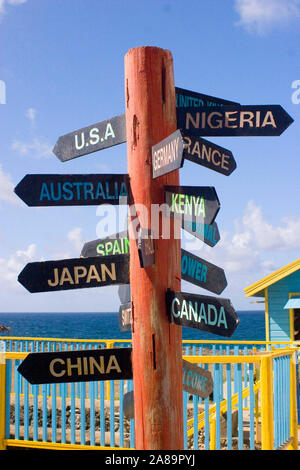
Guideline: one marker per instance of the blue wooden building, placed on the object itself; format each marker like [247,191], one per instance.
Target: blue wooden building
[281,291]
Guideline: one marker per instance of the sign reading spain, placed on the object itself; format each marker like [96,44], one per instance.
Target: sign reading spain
[74,190]
[77,366]
[202,312]
[75,273]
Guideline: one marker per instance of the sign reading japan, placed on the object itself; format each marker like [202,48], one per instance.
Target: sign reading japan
[200,204]
[74,190]
[167,155]
[75,273]
[202,273]
[211,314]
[77,366]
[90,139]
[260,120]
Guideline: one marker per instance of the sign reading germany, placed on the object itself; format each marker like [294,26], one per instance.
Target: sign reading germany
[75,273]
[211,314]
[225,121]
[167,155]
[90,139]
[77,366]
[74,190]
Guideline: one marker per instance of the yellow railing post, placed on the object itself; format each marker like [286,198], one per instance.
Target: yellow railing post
[2,400]
[293,403]
[267,422]
[109,345]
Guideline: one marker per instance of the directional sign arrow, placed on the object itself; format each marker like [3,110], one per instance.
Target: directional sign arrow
[211,314]
[125,317]
[90,139]
[205,153]
[77,366]
[116,244]
[124,293]
[74,190]
[196,380]
[146,248]
[209,234]
[167,155]
[200,204]
[75,273]
[251,120]
[202,273]
[186,98]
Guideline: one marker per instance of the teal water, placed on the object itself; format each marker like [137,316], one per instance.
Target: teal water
[106,326]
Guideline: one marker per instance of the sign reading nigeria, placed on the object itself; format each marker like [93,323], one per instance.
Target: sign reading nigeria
[202,273]
[90,139]
[208,233]
[212,314]
[200,204]
[260,120]
[77,366]
[205,153]
[186,98]
[167,155]
[74,190]
[75,273]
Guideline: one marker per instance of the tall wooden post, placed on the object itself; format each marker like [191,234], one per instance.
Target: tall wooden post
[157,345]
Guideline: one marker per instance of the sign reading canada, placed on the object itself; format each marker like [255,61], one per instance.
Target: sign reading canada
[77,366]
[225,121]
[211,314]
[75,273]
[74,190]
[200,204]
[90,139]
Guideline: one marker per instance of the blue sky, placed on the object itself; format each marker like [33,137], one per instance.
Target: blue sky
[62,68]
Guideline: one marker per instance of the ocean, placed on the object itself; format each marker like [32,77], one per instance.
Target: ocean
[106,326]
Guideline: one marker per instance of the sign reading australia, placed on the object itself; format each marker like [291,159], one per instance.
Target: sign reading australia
[74,190]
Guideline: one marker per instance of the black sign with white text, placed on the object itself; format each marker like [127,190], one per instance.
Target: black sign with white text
[167,155]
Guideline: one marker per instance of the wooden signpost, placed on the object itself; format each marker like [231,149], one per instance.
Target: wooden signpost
[77,366]
[202,312]
[76,273]
[90,139]
[162,126]
[74,190]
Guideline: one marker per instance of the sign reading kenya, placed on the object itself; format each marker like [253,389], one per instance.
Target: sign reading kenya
[200,204]
[90,139]
[260,120]
[77,366]
[202,312]
[74,190]
[75,273]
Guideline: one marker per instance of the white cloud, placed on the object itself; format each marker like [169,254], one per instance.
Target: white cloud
[38,148]
[261,16]
[7,188]
[3,3]
[30,114]
[75,236]
[11,267]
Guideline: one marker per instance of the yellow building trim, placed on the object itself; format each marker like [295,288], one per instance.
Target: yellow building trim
[258,287]
[267,318]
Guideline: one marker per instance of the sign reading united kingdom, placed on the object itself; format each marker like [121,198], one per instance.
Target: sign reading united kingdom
[200,204]
[90,139]
[260,120]
[202,312]
[77,366]
[187,98]
[75,273]
[74,190]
